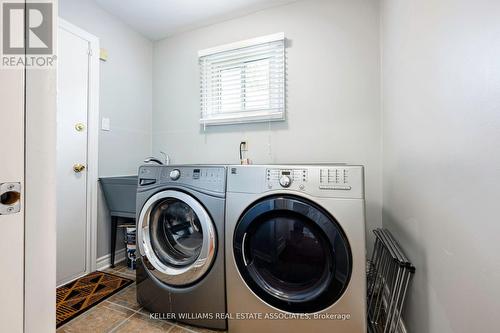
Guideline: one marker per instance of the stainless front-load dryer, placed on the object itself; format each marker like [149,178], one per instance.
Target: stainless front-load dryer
[295,249]
[180,238]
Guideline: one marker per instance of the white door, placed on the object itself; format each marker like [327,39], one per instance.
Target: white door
[72,138]
[11,221]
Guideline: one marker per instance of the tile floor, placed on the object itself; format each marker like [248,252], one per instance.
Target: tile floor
[121,313]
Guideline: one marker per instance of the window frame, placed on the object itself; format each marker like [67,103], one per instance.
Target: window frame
[243,114]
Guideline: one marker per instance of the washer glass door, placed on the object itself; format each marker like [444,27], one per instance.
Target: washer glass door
[292,254]
[177,237]
[176,233]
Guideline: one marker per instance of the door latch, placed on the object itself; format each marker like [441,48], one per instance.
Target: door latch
[10,198]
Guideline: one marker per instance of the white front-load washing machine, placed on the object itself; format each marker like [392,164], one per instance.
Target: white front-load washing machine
[295,249]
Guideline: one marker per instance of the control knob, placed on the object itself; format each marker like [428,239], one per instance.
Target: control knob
[175,174]
[285,181]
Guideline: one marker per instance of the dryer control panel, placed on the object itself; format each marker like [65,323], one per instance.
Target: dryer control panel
[286,178]
[334,179]
[317,179]
[329,180]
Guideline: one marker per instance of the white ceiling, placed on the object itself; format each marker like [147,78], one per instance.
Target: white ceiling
[157,19]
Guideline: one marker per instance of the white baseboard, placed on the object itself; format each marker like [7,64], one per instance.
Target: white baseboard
[105,261]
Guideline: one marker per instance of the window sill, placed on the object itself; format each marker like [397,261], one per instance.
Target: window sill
[242,119]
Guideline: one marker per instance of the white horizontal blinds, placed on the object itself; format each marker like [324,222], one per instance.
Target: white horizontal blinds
[244,84]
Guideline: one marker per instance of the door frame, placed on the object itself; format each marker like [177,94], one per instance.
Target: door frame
[92,140]
[13,170]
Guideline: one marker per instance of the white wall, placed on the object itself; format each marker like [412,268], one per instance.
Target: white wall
[125,97]
[333,92]
[441,112]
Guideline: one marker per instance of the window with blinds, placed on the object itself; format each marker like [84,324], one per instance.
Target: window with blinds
[244,81]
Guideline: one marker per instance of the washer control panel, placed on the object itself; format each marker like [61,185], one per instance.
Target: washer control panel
[175,174]
[196,174]
[210,178]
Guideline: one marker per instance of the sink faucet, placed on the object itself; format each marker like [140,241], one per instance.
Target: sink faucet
[166,158]
[153,159]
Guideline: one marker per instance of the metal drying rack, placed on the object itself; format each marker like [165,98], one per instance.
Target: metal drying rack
[389,273]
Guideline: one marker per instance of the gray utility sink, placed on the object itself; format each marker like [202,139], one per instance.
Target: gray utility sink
[120,194]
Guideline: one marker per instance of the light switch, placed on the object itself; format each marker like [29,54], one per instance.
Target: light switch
[105,124]
[103,54]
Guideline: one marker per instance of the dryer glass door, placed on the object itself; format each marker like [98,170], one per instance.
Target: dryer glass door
[292,254]
[177,237]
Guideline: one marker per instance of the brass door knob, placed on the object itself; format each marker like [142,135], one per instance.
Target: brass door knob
[78,167]
[79,127]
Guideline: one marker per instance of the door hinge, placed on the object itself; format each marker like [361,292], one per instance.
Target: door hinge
[90,52]
[10,198]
